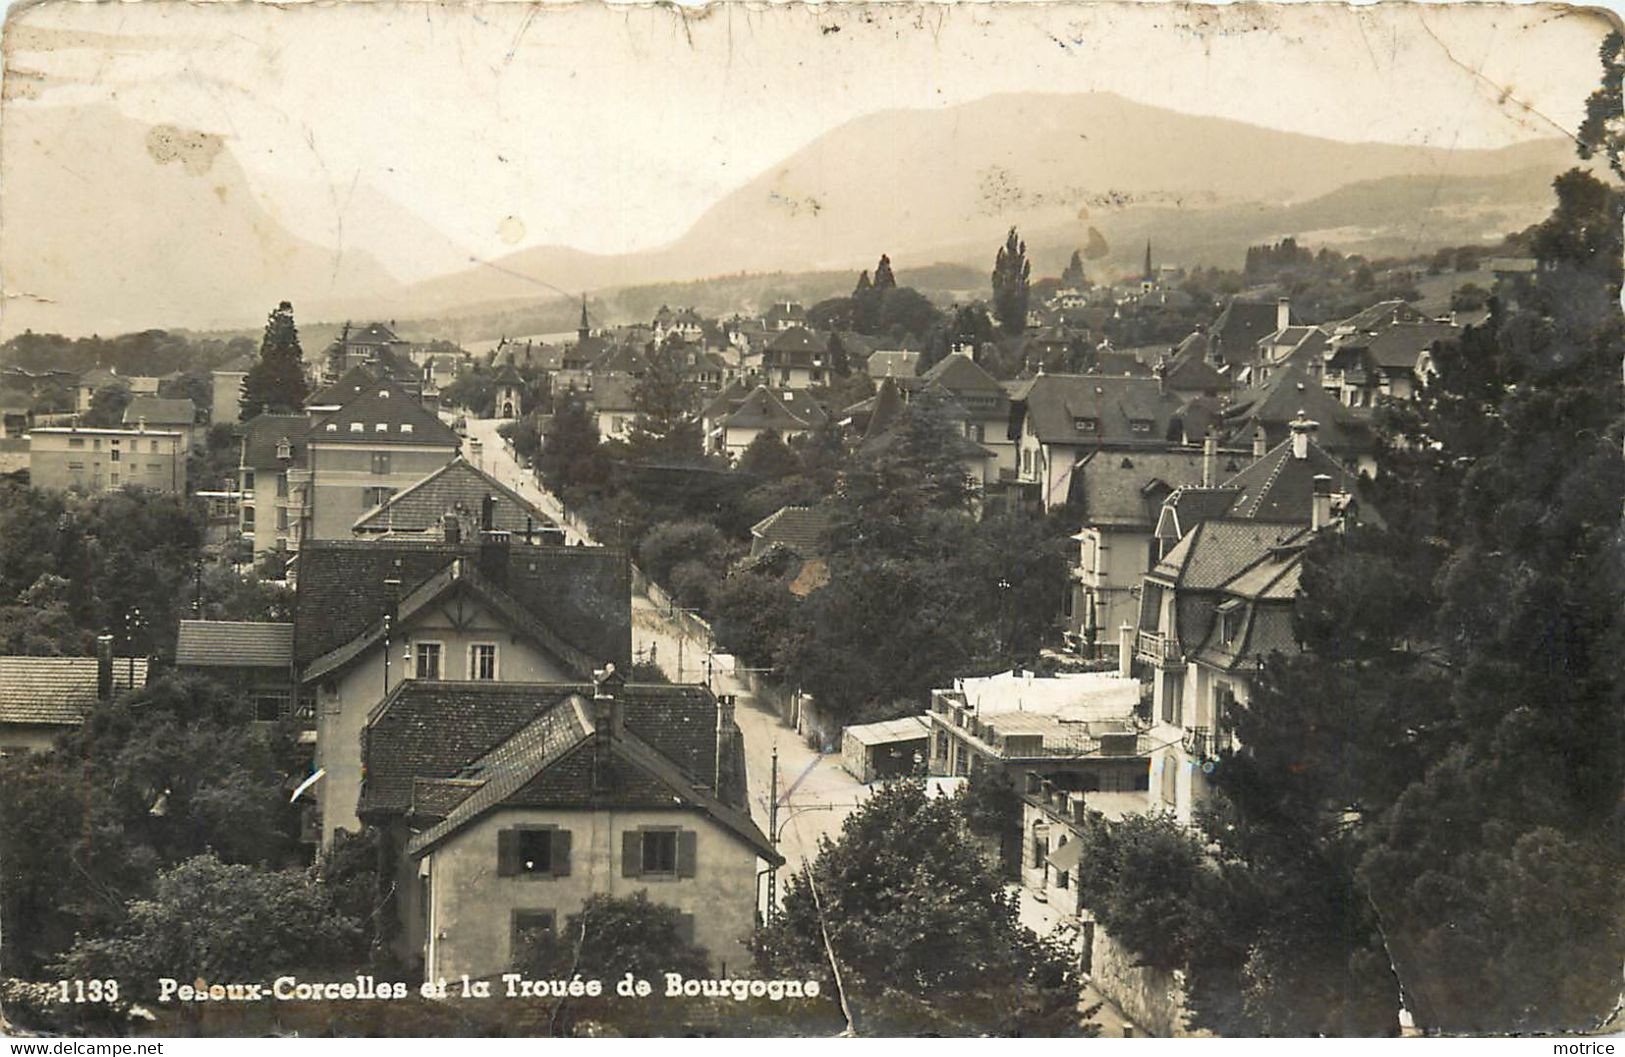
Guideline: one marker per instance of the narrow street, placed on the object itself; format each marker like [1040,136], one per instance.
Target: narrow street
[815,793]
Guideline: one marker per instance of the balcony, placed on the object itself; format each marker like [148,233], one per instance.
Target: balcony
[1200,743]
[1158,648]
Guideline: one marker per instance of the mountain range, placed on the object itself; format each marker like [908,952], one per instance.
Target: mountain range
[107,224]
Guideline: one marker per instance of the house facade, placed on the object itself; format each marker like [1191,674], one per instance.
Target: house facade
[273,478]
[42,698]
[83,459]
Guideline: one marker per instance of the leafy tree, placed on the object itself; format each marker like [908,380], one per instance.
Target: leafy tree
[473,390]
[276,383]
[611,936]
[107,406]
[921,927]
[1011,272]
[751,614]
[1601,131]
[671,544]
[665,426]
[767,457]
[864,285]
[207,920]
[571,461]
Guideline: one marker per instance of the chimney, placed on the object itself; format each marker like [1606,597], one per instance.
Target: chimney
[452,527]
[1303,428]
[104,668]
[606,708]
[494,557]
[1260,442]
[1283,313]
[488,513]
[1320,509]
[1210,458]
[725,740]
[1125,651]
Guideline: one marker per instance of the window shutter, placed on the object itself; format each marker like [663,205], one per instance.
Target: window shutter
[632,853]
[507,852]
[685,927]
[561,853]
[686,844]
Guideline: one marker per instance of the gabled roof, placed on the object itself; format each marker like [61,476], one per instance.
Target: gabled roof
[507,374]
[796,347]
[372,332]
[1190,505]
[1217,549]
[1289,394]
[1397,347]
[626,359]
[798,529]
[59,691]
[441,730]
[1380,314]
[1120,489]
[459,488]
[264,433]
[885,408]
[234,644]
[160,411]
[1280,487]
[726,402]
[1239,328]
[384,414]
[582,593]
[348,386]
[765,409]
[461,575]
[962,375]
[1056,402]
[611,392]
[887,363]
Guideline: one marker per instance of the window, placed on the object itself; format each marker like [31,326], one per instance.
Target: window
[533,850]
[380,427]
[1170,781]
[658,852]
[76,442]
[406,427]
[269,708]
[154,448]
[1040,849]
[1229,621]
[282,486]
[115,477]
[531,928]
[96,443]
[1086,425]
[155,467]
[358,427]
[116,454]
[371,497]
[248,481]
[380,462]
[248,519]
[1140,425]
[282,519]
[975,431]
[428,660]
[482,661]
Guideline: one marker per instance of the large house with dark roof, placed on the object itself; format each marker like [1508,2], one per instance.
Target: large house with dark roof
[1059,419]
[379,442]
[739,414]
[987,407]
[515,802]
[178,415]
[1263,416]
[797,358]
[253,658]
[371,613]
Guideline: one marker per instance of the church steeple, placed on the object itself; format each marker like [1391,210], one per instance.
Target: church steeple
[1148,273]
[585,328]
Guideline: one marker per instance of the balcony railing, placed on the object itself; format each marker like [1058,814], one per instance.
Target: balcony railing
[1158,648]
[1200,743]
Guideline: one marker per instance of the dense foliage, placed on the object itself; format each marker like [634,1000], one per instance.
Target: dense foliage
[276,383]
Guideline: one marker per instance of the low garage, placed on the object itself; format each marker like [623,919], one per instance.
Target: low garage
[891,749]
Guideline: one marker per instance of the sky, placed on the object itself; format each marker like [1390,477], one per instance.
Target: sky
[505,125]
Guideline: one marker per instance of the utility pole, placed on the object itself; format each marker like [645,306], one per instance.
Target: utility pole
[386,654]
[773,837]
[197,600]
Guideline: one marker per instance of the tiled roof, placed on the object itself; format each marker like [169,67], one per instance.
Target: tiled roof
[264,433]
[372,332]
[611,392]
[1120,489]
[799,529]
[582,593]
[884,364]
[1381,314]
[1217,549]
[1290,393]
[1397,347]
[438,729]
[160,411]
[233,644]
[765,409]
[384,414]
[1191,505]
[58,691]
[622,359]
[458,487]
[796,347]
[961,375]
[1056,402]
[1279,487]
[1239,328]
[348,386]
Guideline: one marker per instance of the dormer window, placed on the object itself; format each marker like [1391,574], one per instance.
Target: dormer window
[357,427]
[284,449]
[1086,425]
[332,427]
[384,393]
[1140,425]
[406,427]
[1229,621]
[380,427]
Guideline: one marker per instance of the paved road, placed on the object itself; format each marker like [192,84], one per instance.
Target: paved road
[815,793]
